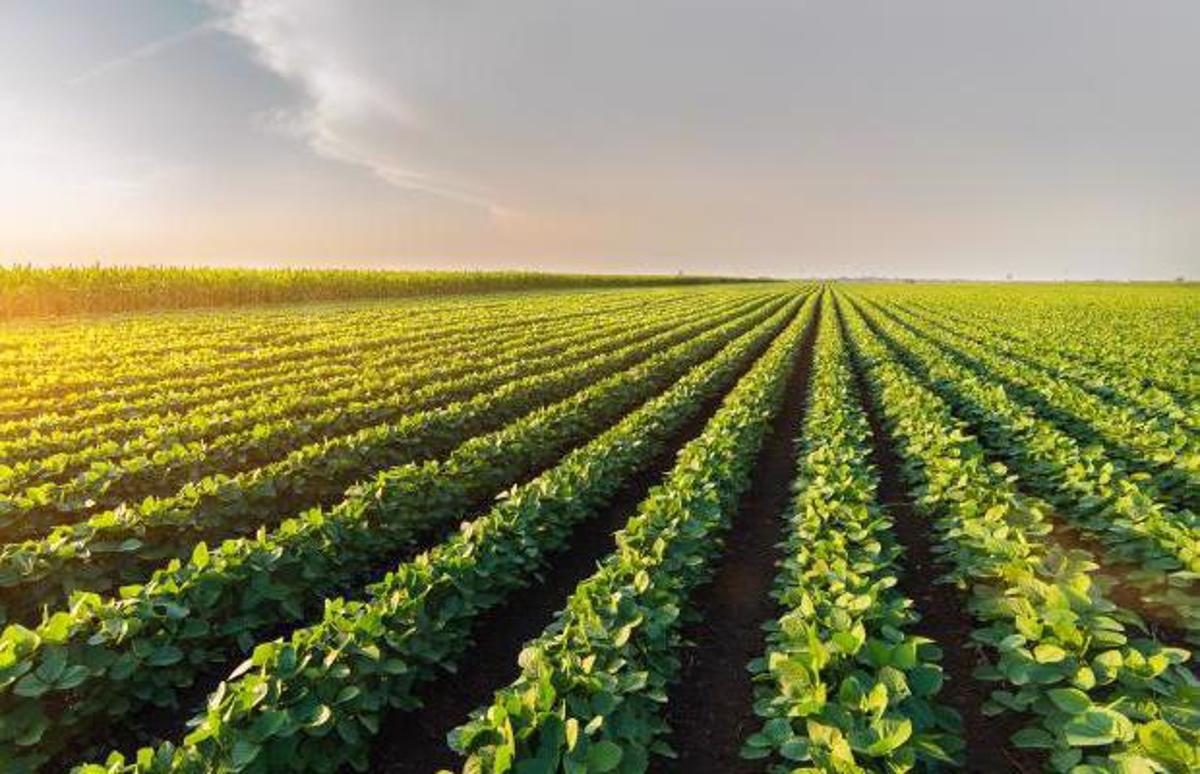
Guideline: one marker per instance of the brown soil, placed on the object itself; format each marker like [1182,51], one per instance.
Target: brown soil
[711,707]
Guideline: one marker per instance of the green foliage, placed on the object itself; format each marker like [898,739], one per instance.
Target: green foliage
[843,687]
[592,685]
[1061,651]
[26,290]
[312,701]
[121,547]
[344,429]
[1125,511]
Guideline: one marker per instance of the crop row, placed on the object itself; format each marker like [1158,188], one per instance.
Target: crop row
[1156,326]
[312,701]
[1169,455]
[591,687]
[1147,402]
[1064,655]
[114,548]
[120,416]
[219,425]
[844,686]
[136,382]
[437,384]
[1087,488]
[104,361]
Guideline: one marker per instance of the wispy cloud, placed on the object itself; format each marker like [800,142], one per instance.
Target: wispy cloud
[351,114]
[143,52]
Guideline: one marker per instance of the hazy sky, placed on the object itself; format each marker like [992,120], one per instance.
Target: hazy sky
[1046,138]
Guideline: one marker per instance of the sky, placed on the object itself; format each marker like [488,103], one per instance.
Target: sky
[925,138]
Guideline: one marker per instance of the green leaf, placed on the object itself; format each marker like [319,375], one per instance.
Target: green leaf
[165,655]
[603,756]
[244,753]
[347,693]
[1047,653]
[777,730]
[571,732]
[1033,738]
[891,732]
[32,733]
[30,686]
[905,655]
[72,677]
[1071,700]
[57,629]
[321,715]
[925,680]
[53,664]
[796,749]
[1096,726]
[200,555]
[1164,743]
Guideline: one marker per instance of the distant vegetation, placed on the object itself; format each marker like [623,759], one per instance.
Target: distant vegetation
[27,291]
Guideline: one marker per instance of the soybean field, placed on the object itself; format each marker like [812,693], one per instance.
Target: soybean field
[784,527]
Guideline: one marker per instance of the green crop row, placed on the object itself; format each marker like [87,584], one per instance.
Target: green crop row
[311,702]
[1092,492]
[591,687]
[439,382]
[236,431]
[1167,458]
[843,686]
[203,608]
[98,363]
[1156,323]
[110,549]
[1147,402]
[170,415]
[1098,697]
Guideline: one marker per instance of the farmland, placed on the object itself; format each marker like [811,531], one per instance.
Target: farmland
[679,527]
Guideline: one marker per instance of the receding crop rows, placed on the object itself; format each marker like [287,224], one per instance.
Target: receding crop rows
[414,625]
[1147,402]
[1093,492]
[591,689]
[220,424]
[115,548]
[844,683]
[1155,329]
[171,342]
[120,415]
[70,341]
[336,508]
[250,586]
[438,384]
[1170,454]
[357,347]
[189,371]
[1063,655]
[107,362]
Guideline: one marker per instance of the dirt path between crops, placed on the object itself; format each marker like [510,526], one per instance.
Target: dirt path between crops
[942,607]
[711,706]
[416,741]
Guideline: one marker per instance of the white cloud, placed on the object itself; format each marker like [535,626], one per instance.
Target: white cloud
[353,111]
